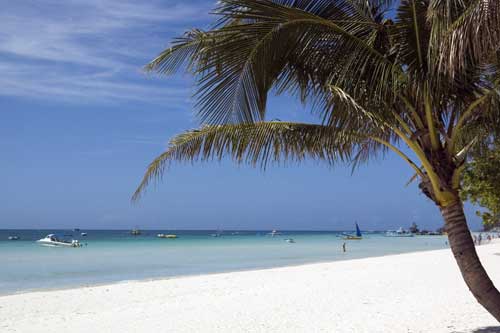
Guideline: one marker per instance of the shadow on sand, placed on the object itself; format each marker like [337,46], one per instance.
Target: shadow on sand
[489,329]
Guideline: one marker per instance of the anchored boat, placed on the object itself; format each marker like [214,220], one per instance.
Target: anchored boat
[53,240]
[274,233]
[398,233]
[358,235]
[166,236]
[218,233]
[135,232]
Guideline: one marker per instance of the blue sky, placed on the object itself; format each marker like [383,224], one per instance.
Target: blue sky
[80,121]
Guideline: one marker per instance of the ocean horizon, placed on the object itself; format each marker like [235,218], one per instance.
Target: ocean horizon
[111,256]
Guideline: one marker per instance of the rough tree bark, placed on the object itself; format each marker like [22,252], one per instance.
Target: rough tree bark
[472,270]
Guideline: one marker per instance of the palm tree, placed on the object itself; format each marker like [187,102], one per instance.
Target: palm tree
[380,74]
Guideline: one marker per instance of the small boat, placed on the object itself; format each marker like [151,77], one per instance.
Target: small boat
[398,233]
[14,238]
[83,234]
[53,240]
[76,230]
[135,232]
[290,240]
[166,236]
[218,233]
[358,235]
[274,233]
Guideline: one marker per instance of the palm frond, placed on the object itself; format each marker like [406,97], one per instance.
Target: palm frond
[343,111]
[187,49]
[412,179]
[426,77]
[469,36]
[375,10]
[256,144]
[479,121]
[411,35]
[296,46]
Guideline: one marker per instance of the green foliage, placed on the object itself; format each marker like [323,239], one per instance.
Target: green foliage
[428,78]
[481,183]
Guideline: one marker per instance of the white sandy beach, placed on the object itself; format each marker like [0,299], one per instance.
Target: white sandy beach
[417,292]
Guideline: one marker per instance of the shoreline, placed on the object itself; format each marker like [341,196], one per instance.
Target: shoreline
[411,292]
[166,278]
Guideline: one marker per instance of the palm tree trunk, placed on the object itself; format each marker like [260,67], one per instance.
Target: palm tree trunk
[465,254]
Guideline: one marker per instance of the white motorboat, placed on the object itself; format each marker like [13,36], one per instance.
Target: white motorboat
[290,240]
[398,233]
[53,240]
[13,237]
[166,236]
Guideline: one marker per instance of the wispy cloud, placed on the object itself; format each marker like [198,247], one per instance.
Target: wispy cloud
[145,141]
[90,49]
[51,82]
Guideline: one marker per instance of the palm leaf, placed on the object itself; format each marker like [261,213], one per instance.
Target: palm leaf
[471,33]
[411,78]
[186,49]
[256,144]
[411,35]
[260,44]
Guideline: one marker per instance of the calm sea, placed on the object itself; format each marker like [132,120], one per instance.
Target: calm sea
[115,255]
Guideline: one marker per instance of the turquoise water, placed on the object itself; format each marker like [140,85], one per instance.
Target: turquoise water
[112,256]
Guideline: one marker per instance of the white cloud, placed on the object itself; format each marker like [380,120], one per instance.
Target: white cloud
[90,49]
[46,82]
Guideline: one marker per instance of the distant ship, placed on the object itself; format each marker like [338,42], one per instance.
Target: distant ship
[398,233]
[274,233]
[135,232]
[218,233]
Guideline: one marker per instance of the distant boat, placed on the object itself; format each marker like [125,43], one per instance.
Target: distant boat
[218,233]
[398,233]
[290,240]
[166,236]
[76,229]
[54,241]
[274,233]
[83,234]
[135,232]
[358,235]
[13,237]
